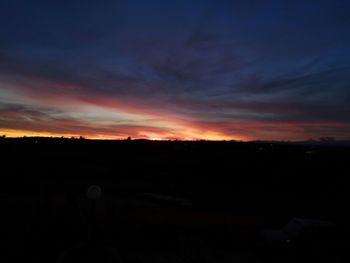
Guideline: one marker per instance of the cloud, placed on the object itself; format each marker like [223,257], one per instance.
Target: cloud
[309,82]
[218,70]
[229,116]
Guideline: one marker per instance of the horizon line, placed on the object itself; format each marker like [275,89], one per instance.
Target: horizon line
[82,138]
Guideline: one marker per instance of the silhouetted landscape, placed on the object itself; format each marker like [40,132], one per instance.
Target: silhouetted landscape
[175,131]
[171,201]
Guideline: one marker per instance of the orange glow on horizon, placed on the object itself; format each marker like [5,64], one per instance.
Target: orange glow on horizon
[149,136]
[20,133]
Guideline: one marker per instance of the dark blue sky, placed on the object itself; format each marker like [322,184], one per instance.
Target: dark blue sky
[175,69]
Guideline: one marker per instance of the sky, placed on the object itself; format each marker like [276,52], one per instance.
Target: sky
[180,69]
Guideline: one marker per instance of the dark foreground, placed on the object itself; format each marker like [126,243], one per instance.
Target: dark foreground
[173,201]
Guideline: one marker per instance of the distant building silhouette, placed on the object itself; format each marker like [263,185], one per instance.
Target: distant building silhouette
[327,139]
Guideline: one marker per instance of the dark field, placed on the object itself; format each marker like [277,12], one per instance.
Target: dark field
[168,201]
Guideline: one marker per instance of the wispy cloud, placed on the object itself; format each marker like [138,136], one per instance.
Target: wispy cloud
[239,69]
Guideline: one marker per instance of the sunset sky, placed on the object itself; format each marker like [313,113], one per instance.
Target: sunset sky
[180,69]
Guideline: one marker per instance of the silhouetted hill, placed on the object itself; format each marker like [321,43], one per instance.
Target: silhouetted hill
[153,190]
